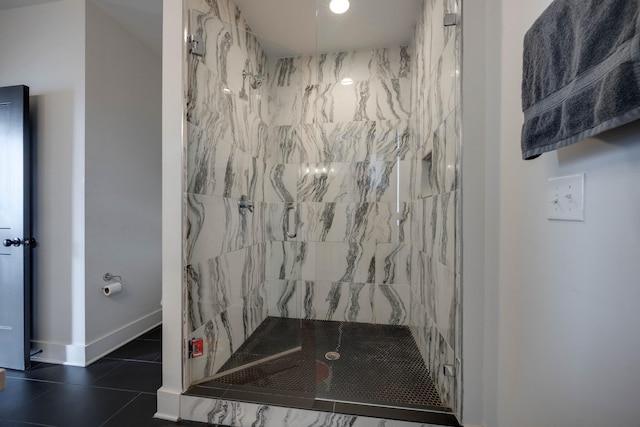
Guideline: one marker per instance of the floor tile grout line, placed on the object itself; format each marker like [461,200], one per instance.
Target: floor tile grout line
[107,373]
[91,385]
[134,360]
[26,423]
[120,410]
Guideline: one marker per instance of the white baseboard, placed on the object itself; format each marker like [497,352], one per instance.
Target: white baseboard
[60,354]
[83,355]
[168,404]
[105,345]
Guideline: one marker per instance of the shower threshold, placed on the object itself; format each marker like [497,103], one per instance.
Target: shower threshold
[379,373]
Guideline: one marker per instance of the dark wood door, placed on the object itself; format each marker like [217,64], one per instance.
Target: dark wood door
[16,243]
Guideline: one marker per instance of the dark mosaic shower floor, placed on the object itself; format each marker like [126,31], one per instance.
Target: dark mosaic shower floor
[378,364]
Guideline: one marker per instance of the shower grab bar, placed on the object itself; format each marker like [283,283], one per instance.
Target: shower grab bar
[295,222]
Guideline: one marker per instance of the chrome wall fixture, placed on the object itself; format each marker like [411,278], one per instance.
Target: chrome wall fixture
[107,277]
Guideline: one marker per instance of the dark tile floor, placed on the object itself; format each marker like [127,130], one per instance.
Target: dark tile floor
[117,391]
[401,377]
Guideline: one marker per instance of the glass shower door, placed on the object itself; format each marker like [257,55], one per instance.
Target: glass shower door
[387,283]
[243,307]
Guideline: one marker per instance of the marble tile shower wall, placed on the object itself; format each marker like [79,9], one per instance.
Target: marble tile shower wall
[435,276]
[342,155]
[225,250]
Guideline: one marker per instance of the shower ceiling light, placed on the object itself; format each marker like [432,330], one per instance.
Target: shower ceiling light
[339,6]
[346,81]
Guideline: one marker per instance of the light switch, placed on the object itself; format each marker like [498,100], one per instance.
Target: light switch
[565,198]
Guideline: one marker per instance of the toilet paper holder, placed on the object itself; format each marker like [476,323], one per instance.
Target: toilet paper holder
[109,277]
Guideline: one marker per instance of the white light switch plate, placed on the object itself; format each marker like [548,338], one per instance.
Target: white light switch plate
[565,198]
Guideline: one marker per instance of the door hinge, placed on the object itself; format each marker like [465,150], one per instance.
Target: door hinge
[196,45]
[450,19]
[196,348]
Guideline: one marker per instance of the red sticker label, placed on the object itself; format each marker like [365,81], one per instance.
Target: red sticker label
[197,348]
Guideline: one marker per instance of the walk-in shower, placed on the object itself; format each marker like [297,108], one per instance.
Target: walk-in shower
[339,290]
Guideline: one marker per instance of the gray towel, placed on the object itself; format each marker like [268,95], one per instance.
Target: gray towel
[581,72]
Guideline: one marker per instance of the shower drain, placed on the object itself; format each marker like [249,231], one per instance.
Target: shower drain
[332,355]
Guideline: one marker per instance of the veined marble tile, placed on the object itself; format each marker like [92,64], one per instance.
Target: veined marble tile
[343,302]
[428,290]
[393,140]
[217,283]
[205,238]
[218,347]
[216,168]
[336,182]
[255,179]
[281,182]
[285,72]
[206,162]
[309,66]
[345,262]
[415,317]
[364,100]
[209,289]
[392,180]
[208,105]
[284,298]
[391,100]
[309,104]
[356,65]
[435,11]
[451,6]
[392,304]
[393,263]
[291,260]
[254,269]
[444,355]
[285,106]
[282,260]
[243,414]
[392,62]
[418,225]
[311,147]
[353,222]
[458,231]
[348,141]
[198,6]
[284,144]
[447,75]
[254,309]
[336,222]
[457,346]
[451,154]
[275,222]
[401,222]
[429,225]
[445,233]
[445,303]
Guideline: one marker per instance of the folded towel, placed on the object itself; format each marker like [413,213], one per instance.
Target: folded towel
[581,72]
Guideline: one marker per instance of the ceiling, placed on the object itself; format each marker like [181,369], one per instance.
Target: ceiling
[291,27]
[285,27]
[142,18]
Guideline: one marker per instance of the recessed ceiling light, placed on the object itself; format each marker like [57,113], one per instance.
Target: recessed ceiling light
[339,6]
[347,81]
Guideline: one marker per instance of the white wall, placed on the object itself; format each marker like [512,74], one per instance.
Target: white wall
[43,47]
[123,182]
[173,360]
[566,304]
